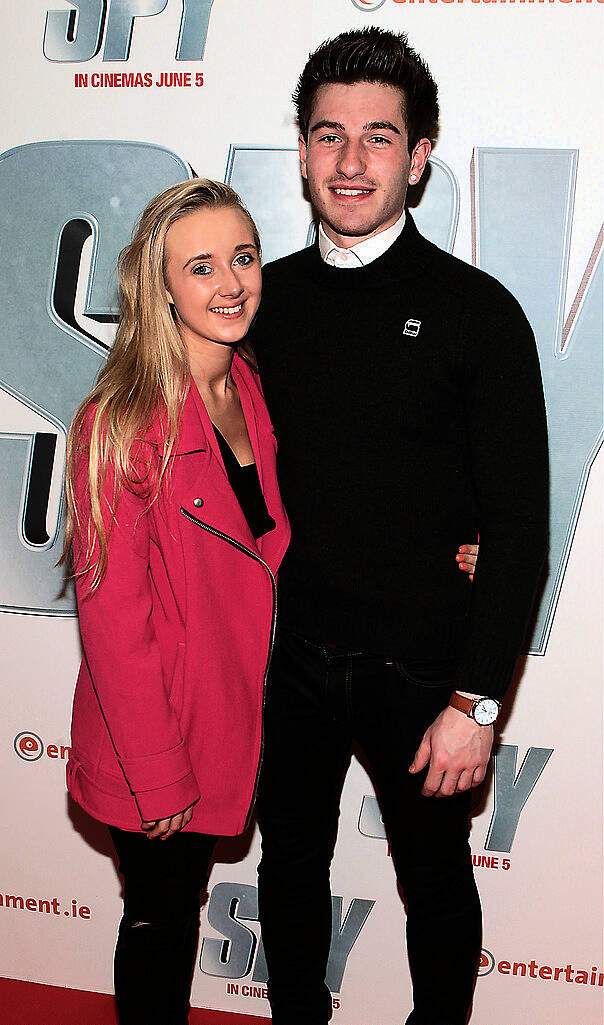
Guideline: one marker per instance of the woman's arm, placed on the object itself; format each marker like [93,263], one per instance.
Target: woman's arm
[123,657]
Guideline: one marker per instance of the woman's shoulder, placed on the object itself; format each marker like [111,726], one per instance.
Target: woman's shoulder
[98,416]
[97,439]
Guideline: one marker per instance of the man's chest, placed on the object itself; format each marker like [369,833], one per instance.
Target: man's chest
[361,365]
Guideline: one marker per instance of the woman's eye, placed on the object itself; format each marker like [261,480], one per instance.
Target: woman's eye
[202,268]
[244,259]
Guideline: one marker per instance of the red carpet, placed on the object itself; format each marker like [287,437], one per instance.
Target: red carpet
[28,1003]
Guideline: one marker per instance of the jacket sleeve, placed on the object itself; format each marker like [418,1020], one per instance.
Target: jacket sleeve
[507,437]
[123,657]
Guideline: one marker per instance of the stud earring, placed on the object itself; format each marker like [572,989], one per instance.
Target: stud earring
[412,177]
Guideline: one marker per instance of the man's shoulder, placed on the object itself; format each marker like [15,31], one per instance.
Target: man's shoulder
[287,266]
[473,286]
[441,273]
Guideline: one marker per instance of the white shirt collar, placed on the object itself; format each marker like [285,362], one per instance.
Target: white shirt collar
[364,252]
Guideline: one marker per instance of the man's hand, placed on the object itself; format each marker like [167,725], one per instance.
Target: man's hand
[458,750]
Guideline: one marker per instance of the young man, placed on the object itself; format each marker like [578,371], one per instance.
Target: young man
[405,392]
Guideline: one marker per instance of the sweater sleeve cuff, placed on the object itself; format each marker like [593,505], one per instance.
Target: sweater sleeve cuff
[486,675]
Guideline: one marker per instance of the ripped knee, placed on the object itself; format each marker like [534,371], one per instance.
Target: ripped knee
[161,923]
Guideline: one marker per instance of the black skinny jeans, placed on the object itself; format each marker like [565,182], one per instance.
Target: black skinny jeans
[159,931]
[321,699]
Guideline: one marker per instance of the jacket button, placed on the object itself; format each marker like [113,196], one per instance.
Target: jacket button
[198,502]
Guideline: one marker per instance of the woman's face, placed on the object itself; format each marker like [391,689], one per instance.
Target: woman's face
[212,274]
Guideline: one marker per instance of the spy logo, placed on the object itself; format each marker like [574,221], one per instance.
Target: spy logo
[28,746]
[486,963]
[77,35]
[368,5]
[411,328]
[236,951]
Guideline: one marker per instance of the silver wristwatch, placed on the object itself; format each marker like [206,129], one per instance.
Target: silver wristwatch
[483,711]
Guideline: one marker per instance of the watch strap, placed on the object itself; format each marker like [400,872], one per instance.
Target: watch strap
[461,703]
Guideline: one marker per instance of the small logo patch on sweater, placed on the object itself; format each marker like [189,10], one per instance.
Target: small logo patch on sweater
[411,328]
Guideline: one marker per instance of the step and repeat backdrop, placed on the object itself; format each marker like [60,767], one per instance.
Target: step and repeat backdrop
[107,103]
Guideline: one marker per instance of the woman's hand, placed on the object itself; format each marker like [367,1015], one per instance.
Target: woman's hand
[167,827]
[466,559]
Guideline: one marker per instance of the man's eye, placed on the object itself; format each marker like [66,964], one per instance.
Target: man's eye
[380,139]
[202,268]
[330,138]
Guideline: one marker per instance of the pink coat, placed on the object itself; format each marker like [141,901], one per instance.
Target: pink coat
[178,638]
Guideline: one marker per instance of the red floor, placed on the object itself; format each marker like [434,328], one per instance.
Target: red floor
[28,1003]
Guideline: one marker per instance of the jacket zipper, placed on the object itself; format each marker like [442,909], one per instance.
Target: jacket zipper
[254,555]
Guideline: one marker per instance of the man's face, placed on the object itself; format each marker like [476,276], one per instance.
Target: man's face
[357,161]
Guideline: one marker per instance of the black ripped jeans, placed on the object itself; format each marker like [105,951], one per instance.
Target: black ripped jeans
[159,931]
[320,699]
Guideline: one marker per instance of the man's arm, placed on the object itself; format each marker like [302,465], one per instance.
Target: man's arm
[507,439]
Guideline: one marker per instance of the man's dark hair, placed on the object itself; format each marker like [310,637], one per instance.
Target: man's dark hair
[372,55]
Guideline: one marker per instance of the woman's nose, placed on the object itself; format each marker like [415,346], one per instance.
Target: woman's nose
[229,282]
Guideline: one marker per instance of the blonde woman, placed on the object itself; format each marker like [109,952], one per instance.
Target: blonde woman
[177,531]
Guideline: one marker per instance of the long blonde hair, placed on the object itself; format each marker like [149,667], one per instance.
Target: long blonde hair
[147,372]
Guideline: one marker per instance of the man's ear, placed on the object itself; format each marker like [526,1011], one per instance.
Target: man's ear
[419,159]
[302,152]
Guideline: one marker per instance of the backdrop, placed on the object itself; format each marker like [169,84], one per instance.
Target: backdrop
[105,104]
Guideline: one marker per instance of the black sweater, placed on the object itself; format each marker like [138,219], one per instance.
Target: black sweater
[396,447]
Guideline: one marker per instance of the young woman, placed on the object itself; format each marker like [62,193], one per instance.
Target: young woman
[177,530]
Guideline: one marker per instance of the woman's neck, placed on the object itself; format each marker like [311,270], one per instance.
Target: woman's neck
[210,365]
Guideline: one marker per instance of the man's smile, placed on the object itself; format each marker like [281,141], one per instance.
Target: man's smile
[349,191]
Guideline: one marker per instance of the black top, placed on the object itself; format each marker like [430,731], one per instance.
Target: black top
[407,403]
[245,483]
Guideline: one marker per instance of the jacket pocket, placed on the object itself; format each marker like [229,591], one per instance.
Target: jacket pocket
[176,691]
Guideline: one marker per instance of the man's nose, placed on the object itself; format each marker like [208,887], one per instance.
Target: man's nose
[351,160]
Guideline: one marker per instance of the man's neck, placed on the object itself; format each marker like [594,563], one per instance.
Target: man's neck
[362,252]
[349,241]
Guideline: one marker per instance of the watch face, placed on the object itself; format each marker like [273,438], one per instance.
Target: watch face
[486,711]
